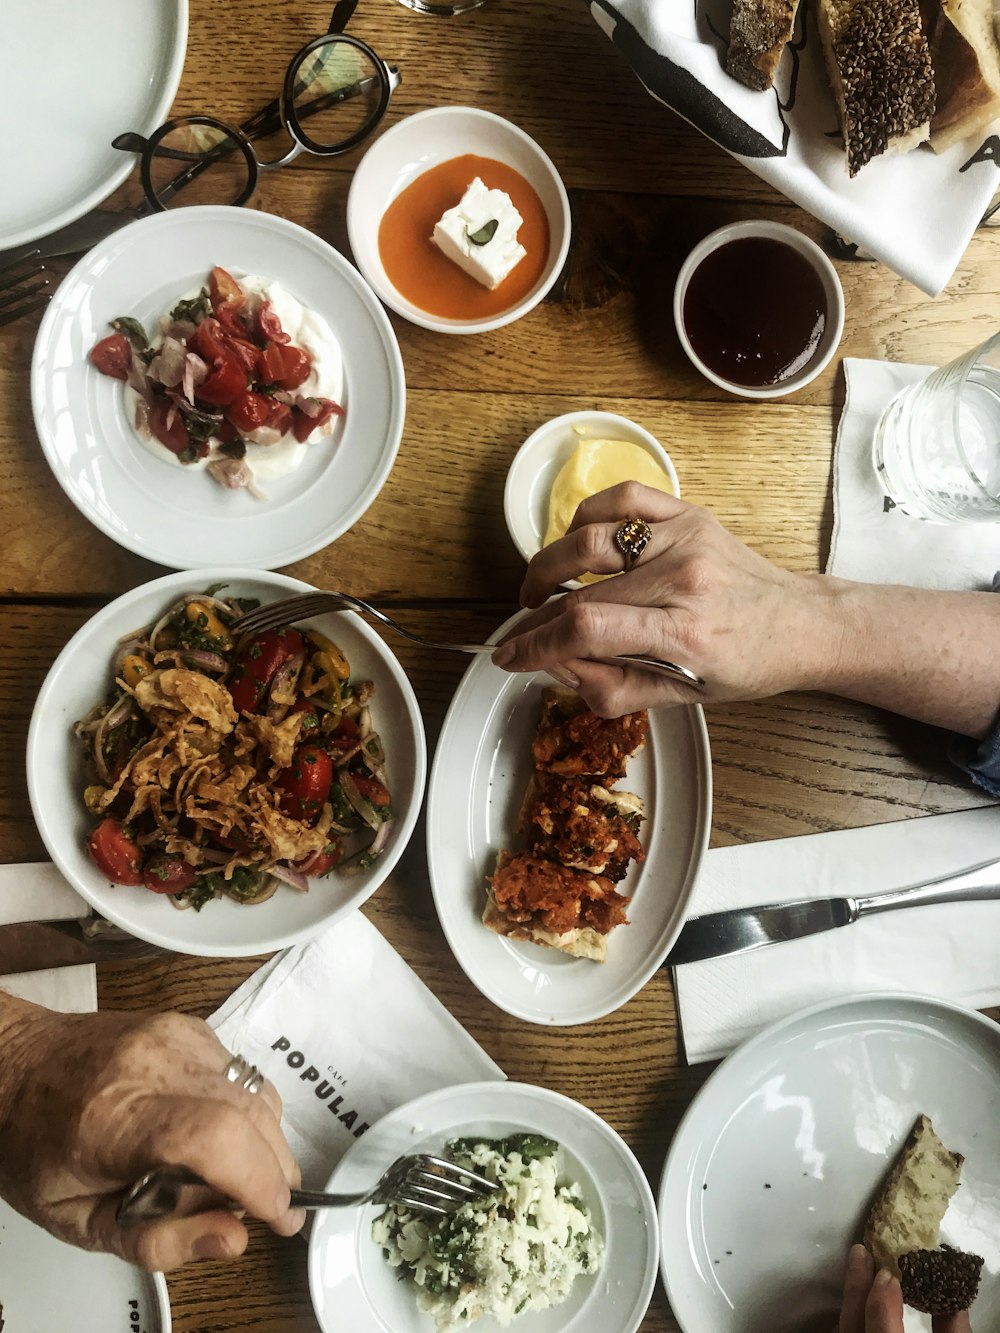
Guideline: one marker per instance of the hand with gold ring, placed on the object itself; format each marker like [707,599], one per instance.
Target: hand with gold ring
[690,592]
[89,1103]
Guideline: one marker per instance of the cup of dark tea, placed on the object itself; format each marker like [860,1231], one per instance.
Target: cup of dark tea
[759,309]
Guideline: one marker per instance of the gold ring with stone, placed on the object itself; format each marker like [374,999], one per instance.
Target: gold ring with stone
[632,538]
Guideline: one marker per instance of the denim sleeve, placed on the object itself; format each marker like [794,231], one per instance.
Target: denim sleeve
[980,759]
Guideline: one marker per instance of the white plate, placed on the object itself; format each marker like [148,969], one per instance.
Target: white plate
[182,519]
[74,76]
[46,1284]
[81,676]
[537,463]
[480,774]
[354,1288]
[775,1163]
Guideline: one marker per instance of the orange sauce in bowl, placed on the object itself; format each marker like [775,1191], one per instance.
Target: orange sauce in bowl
[423,275]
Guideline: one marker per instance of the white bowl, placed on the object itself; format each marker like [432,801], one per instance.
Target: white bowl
[423,141]
[80,678]
[352,1286]
[536,465]
[773,231]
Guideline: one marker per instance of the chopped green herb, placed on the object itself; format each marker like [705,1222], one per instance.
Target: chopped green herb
[485,233]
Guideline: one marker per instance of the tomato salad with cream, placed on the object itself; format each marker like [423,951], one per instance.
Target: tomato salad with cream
[223,386]
[221,766]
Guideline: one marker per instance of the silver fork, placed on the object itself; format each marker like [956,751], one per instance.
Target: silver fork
[307,604]
[419,1182]
[24,288]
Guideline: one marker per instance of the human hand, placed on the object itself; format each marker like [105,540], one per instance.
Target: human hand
[873,1302]
[91,1102]
[699,597]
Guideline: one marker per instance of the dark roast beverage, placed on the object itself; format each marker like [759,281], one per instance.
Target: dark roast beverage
[755,311]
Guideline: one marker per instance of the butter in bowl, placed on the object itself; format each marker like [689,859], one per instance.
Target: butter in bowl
[570,458]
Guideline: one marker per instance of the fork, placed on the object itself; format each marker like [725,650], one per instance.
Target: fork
[419,1182]
[24,288]
[304,605]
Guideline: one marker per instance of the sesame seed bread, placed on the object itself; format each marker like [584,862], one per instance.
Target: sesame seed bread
[758,33]
[908,1211]
[966,59]
[879,66]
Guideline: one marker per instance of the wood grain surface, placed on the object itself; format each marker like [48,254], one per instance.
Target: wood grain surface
[644,187]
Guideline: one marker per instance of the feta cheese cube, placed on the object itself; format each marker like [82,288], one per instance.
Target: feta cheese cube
[491,261]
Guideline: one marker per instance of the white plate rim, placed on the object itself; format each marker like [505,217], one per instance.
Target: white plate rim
[162,550]
[584,1014]
[173,584]
[170,79]
[494,1093]
[672,1178]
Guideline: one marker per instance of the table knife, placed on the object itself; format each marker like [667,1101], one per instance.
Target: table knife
[72,239]
[32,945]
[720,933]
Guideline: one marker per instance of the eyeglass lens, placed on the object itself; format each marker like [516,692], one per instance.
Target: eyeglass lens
[197,161]
[338,92]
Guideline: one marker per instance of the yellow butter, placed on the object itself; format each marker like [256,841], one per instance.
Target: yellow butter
[594,465]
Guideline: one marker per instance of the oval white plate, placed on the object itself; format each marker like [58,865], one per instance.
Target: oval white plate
[777,1159]
[354,1288]
[537,463]
[480,774]
[185,519]
[74,76]
[80,678]
[46,1284]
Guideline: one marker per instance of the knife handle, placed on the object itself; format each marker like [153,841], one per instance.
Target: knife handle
[980,882]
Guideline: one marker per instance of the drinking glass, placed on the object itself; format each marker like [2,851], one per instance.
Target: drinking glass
[937,446]
[442,7]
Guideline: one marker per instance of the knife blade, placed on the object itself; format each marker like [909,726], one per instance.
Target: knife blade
[718,934]
[71,239]
[34,945]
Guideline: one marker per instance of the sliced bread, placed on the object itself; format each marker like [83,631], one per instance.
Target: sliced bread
[966,58]
[758,33]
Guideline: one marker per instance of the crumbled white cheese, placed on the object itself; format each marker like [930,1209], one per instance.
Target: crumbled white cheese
[518,1250]
[479,208]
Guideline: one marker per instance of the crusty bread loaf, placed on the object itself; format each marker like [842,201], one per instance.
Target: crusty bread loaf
[879,65]
[758,33]
[908,1211]
[966,59]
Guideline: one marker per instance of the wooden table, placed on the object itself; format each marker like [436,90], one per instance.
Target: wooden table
[644,187]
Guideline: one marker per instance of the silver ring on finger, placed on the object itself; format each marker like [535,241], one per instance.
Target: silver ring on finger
[241,1071]
[632,538]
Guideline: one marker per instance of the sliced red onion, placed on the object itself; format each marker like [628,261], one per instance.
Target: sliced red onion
[291,876]
[364,808]
[377,845]
[193,657]
[142,426]
[167,366]
[195,373]
[284,682]
[115,715]
[266,890]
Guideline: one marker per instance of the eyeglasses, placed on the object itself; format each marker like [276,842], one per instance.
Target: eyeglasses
[337,85]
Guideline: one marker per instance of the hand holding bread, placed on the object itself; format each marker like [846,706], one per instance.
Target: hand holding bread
[873,1301]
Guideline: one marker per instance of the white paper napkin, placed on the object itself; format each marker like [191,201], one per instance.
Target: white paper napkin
[914,211]
[35,891]
[948,951]
[346,1031]
[871,540]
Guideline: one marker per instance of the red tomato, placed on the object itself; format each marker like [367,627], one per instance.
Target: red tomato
[112,356]
[344,736]
[223,287]
[208,341]
[248,356]
[285,365]
[226,382]
[269,325]
[114,853]
[281,417]
[171,433]
[168,874]
[305,784]
[371,789]
[249,410]
[321,863]
[257,664]
[304,425]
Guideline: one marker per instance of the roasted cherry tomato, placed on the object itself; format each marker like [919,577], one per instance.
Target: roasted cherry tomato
[113,356]
[223,288]
[208,340]
[167,424]
[285,365]
[226,382]
[168,874]
[269,325]
[371,789]
[257,663]
[303,425]
[114,853]
[249,410]
[247,355]
[321,863]
[344,736]
[305,784]
[281,417]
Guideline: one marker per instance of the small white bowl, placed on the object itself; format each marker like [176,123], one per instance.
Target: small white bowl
[423,141]
[774,231]
[536,465]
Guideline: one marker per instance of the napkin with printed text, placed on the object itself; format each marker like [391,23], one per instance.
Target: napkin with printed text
[948,951]
[914,211]
[346,1032]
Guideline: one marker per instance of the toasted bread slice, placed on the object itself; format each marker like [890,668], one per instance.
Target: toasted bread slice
[574,742]
[580,943]
[582,824]
[759,30]
[966,58]
[908,1211]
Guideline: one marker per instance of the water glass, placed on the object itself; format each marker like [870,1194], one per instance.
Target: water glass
[937,445]
[442,7]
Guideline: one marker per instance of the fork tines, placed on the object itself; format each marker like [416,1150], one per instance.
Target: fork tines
[23,290]
[434,1185]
